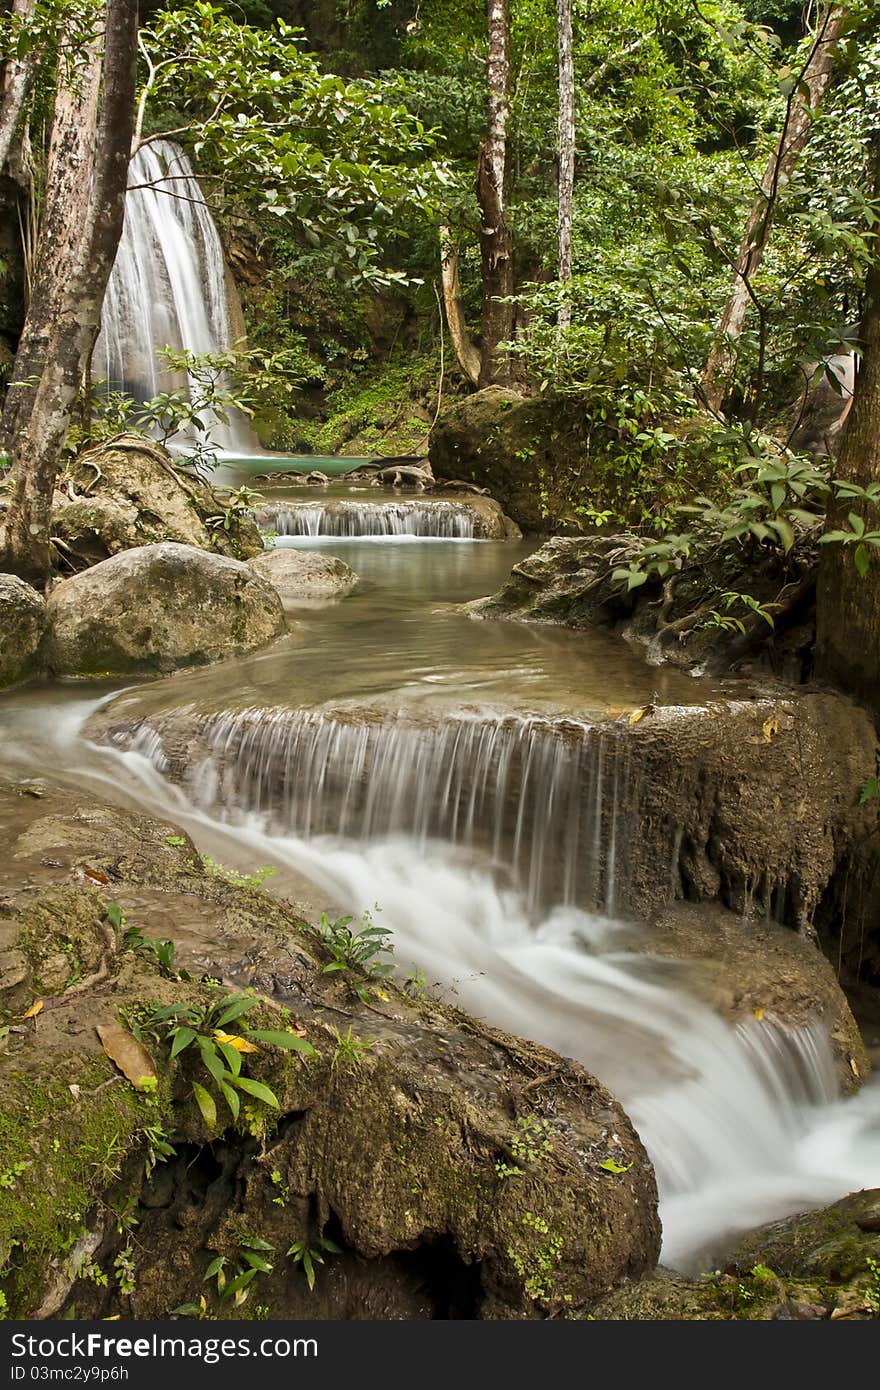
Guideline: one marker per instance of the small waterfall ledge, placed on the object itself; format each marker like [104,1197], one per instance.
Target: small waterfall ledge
[616,816]
[169,288]
[442,518]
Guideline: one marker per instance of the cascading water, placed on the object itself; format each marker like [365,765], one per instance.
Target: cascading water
[168,288]
[544,799]
[447,520]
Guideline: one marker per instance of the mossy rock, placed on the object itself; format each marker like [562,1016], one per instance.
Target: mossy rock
[22,623]
[398,1136]
[157,608]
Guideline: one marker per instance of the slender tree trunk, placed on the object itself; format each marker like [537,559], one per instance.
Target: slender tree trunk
[495,249]
[847,603]
[466,350]
[566,150]
[15,85]
[79,235]
[802,104]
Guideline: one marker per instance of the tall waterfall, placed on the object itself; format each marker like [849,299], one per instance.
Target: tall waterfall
[168,288]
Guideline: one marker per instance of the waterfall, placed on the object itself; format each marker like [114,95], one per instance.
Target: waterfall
[448,520]
[541,799]
[168,288]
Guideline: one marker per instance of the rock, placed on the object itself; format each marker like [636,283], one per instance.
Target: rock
[813,1265]
[567,581]
[156,608]
[755,968]
[400,1154]
[303,574]
[22,623]
[317,479]
[129,492]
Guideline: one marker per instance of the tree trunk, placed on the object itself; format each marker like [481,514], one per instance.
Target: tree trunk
[79,233]
[466,350]
[566,151]
[848,604]
[15,85]
[801,106]
[497,317]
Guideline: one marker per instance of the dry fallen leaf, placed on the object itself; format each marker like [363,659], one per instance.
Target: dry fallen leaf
[854,1067]
[770,727]
[84,874]
[759,1014]
[640,713]
[130,1056]
[75,1091]
[34,1009]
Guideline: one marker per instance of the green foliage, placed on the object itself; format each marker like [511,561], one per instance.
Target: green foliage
[201,1032]
[355,951]
[349,1051]
[232,876]
[306,1255]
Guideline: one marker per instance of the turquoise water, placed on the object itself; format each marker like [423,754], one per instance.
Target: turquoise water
[248,465]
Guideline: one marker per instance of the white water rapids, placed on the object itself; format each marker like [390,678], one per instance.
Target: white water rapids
[743,1124]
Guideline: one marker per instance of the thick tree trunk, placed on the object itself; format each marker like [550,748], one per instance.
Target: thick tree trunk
[801,107]
[495,249]
[15,85]
[847,603]
[466,350]
[79,234]
[566,150]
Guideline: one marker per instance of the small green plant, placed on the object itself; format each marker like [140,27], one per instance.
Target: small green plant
[238,880]
[416,985]
[532,1139]
[535,1256]
[307,1256]
[349,1051]
[10,1176]
[873,1294]
[251,1258]
[159,1150]
[870,788]
[125,1271]
[202,1031]
[355,950]
[239,503]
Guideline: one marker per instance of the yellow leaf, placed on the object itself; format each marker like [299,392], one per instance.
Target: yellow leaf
[770,727]
[233,1040]
[34,1009]
[759,1014]
[638,714]
[130,1056]
[380,994]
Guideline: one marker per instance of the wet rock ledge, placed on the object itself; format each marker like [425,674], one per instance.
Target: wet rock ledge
[437,1166]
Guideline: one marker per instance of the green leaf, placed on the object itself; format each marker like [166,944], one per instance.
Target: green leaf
[862,562]
[232,1056]
[256,1089]
[612,1166]
[211,1060]
[257,1261]
[309,1268]
[235,1009]
[206,1104]
[275,1039]
[213,1268]
[182,1038]
[240,1282]
[231,1097]
[870,790]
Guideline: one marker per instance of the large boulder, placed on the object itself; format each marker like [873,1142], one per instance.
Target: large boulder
[455,1170]
[22,621]
[303,574]
[130,492]
[156,608]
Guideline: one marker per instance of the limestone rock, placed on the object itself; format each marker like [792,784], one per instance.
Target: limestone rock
[156,608]
[22,621]
[129,492]
[304,574]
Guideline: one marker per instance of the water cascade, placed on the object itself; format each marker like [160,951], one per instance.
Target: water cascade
[447,520]
[168,288]
[546,800]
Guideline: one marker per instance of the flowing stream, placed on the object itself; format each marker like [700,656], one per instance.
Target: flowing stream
[394,751]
